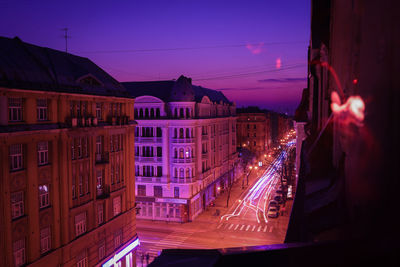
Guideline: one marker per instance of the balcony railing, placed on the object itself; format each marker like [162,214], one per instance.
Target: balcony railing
[152,140]
[103,158]
[183,180]
[186,160]
[148,159]
[153,179]
[182,140]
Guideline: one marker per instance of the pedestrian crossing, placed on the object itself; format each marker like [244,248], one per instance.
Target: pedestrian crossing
[245,227]
[171,241]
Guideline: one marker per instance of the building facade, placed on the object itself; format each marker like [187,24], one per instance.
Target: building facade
[66,133]
[254,132]
[185,148]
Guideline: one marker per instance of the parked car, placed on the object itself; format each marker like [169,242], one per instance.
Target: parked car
[290,193]
[278,198]
[273,212]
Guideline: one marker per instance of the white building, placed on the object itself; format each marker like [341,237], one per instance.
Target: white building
[185,147]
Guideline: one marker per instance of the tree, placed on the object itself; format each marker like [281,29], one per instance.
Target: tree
[246,159]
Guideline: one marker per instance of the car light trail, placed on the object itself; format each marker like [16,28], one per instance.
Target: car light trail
[261,189]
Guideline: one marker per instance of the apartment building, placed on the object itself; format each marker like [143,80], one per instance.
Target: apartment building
[185,148]
[66,136]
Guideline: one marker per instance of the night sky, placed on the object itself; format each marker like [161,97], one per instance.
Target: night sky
[255,52]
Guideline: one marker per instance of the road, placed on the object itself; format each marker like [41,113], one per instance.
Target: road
[242,223]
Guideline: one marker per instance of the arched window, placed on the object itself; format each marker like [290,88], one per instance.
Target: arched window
[187,173]
[187,153]
[191,152]
[146,112]
[175,172]
[175,153]
[175,113]
[136,113]
[187,133]
[181,115]
[181,156]
[158,113]
[141,113]
[187,113]
[152,113]
[191,133]
[180,132]
[181,173]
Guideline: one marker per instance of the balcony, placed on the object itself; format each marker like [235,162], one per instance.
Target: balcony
[183,180]
[187,160]
[144,179]
[152,140]
[204,137]
[118,120]
[148,159]
[103,192]
[183,140]
[206,174]
[103,158]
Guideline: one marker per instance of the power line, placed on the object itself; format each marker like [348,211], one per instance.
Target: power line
[66,36]
[183,48]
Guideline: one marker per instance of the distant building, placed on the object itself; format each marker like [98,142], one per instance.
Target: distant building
[254,132]
[185,147]
[66,136]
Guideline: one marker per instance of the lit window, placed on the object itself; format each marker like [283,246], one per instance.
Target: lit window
[99,182]
[45,240]
[80,223]
[44,196]
[15,109]
[43,153]
[117,205]
[16,159]
[176,192]
[42,109]
[19,252]
[17,204]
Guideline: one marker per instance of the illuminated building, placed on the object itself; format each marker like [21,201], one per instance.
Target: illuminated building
[66,133]
[185,147]
[254,132]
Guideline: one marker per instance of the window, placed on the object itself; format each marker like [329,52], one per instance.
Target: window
[73,155]
[159,171]
[255,126]
[176,192]
[80,224]
[73,183]
[99,111]
[43,153]
[255,135]
[117,205]
[45,240]
[16,159]
[159,151]
[15,109]
[141,190]
[117,238]
[82,262]
[157,191]
[44,196]
[19,252]
[255,143]
[41,105]
[79,146]
[102,250]
[99,182]
[100,213]
[17,204]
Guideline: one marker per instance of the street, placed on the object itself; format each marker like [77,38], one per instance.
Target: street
[243,223]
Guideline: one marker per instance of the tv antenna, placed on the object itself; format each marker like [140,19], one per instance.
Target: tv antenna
[66,36]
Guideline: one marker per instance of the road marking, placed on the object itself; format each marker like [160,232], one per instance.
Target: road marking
[248,226]
[254,227]
[230,226]
[259,228]
[219,226]
[270,229]
[236,226]
[241,227]
[265,229]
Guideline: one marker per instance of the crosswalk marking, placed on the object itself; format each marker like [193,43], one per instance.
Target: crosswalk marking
[265,229]
[259,228]
[270,229]
[230,226]
[248,226]
[236,226]
[254,227]
[241,227]
[219,226]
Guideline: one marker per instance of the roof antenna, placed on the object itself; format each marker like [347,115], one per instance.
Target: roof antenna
[66,36]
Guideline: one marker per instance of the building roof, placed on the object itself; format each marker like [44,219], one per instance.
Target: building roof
[31,67]
[174,91]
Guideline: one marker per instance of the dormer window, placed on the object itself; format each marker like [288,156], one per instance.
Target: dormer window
[89,80]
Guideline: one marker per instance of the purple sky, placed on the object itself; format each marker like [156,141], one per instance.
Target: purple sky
[254,51]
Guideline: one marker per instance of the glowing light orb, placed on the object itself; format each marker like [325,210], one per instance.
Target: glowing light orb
[352,109]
